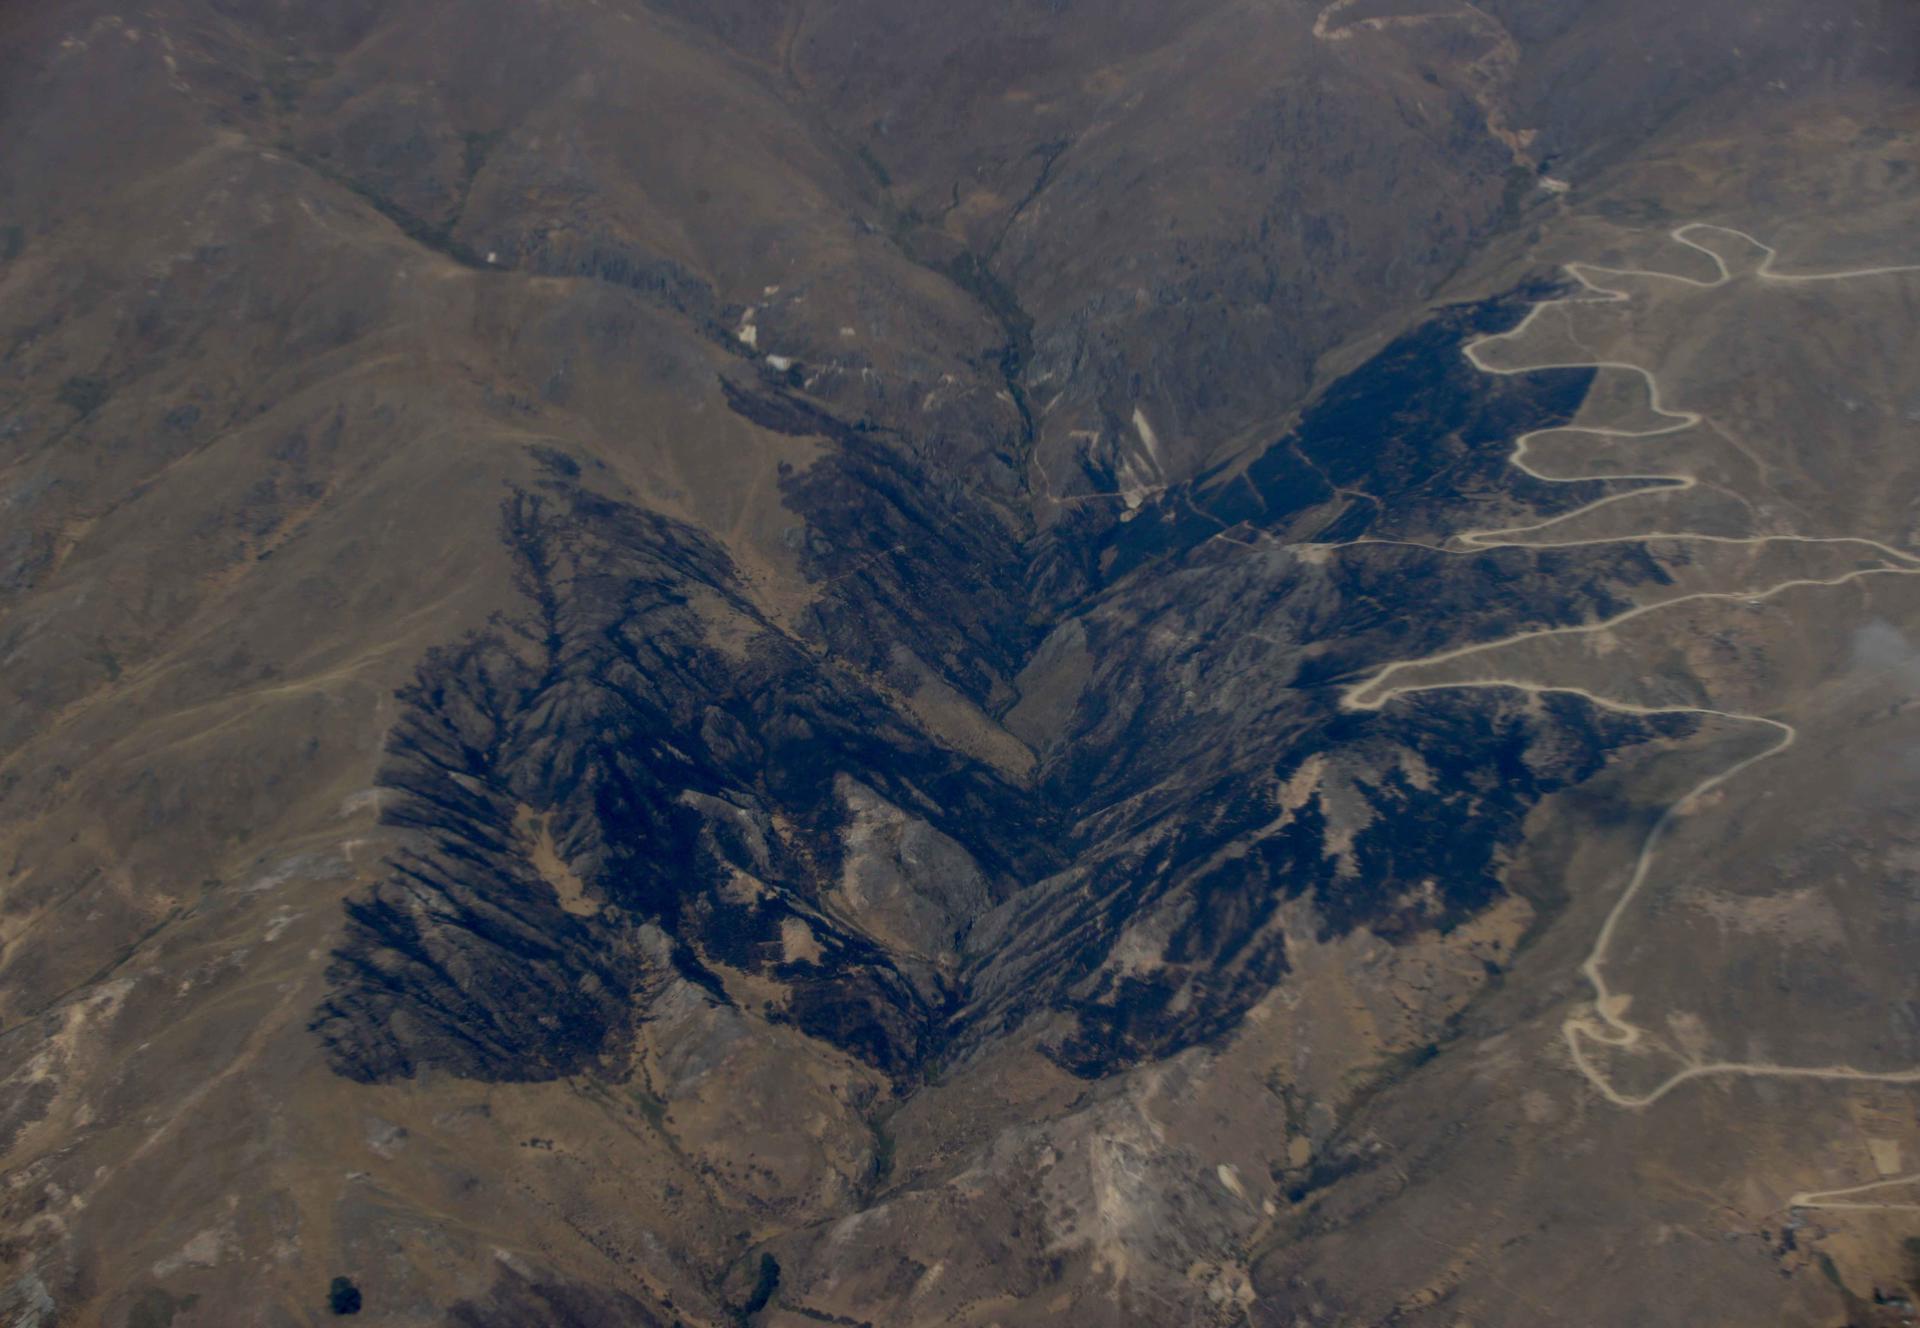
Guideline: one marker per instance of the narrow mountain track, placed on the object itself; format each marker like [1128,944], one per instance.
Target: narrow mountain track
[1844,1200]
[1488,75]
[1602,1022]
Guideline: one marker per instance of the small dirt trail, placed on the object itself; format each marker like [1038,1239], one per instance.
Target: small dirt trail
[1678,421]
[1486,75]
[1325,29]
[1602,1022]
[1843,1199]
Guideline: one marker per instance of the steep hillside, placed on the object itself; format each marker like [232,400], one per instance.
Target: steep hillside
[1104,663]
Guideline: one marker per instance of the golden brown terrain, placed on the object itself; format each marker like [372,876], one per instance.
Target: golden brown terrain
[808,661]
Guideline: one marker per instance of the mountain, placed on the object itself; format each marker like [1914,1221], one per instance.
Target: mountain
[1068,661]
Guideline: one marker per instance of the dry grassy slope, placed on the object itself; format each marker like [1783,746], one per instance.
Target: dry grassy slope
[290,299]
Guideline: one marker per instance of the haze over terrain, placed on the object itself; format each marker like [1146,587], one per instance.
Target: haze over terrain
[1109,662]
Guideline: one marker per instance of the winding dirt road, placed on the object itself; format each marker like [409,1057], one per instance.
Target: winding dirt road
[1602,1022]
[1487,76]
[1842,1198]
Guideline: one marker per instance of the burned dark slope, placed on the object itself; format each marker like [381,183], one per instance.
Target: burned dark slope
[890,535]
[1410,445]
[1219,625]
[678,760]
[1397,823]
[682,786]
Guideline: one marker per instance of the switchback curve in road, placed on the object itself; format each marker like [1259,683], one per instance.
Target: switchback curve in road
[1602,1021]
